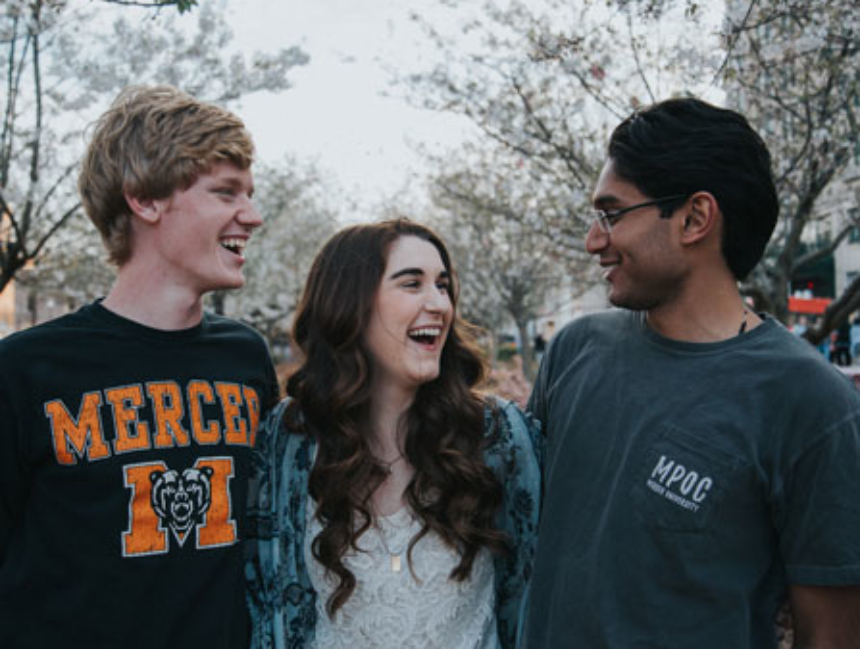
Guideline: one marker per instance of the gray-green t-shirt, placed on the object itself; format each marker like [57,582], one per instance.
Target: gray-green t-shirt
[687,484]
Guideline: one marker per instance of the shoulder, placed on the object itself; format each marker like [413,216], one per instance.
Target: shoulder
[800,365]
[221,325]
[282,433]
[510,431]
[602,327]
[506,416]
[286,415]
[50,332]
[586,338]
[608,321]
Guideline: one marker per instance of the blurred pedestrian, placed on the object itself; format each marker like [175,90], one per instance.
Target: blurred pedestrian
[840,346]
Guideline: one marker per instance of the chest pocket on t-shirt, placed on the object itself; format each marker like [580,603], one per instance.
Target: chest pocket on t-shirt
[681,481]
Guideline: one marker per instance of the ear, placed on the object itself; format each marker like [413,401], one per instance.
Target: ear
[148,209]
[701,218]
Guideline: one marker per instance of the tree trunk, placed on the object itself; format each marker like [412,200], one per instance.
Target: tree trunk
[526,350]
[218,298]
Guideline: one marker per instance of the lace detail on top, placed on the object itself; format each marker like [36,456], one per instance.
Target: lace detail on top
[393,609]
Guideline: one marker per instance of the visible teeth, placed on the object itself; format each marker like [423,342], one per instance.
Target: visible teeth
[236,245]
[426,331]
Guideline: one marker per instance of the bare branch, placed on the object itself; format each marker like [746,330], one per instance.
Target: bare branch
[59,223]
[566,154]
[823,252]
[640,72]
[181,5]
[61,179]
[837,313]
[736,31]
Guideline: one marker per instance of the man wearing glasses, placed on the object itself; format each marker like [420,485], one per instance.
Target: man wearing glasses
[703,463]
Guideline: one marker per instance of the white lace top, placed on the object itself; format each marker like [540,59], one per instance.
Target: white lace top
[390,607]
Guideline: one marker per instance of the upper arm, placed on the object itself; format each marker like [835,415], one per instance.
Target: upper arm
[825,617]
[525,440]
[12,492]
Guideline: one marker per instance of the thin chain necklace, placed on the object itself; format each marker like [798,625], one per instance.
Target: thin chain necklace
[395,555]
[743,326]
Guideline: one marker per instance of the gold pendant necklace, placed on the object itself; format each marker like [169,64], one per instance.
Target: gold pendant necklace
[387,466]
[395,556]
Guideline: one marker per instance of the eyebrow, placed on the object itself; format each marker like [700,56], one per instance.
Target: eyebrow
[607,200]
[416,272]
[233,183]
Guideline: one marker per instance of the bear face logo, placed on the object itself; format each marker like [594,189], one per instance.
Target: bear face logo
[181,500]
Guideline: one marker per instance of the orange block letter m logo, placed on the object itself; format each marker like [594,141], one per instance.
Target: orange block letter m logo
[194,502]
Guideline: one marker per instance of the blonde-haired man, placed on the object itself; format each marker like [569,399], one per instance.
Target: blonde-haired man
[126,427]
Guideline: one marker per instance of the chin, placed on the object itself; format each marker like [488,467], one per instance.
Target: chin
[426,377]
[227,284]
[615,299]
[631,303]
[621,299]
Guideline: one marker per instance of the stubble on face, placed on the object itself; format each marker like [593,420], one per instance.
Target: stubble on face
[642,265]
[650,275]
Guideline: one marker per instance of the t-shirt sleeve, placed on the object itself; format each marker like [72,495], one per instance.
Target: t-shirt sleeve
[11,479]
[820,530]
[272,389]
[538,404]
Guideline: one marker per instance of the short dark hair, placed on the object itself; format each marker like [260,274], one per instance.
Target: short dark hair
[681,146]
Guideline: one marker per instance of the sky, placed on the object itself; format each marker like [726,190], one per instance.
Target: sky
[343,111]
[338,113]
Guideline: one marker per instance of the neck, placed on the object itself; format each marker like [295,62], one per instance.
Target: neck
[709,316]
[145,299]
[387,408]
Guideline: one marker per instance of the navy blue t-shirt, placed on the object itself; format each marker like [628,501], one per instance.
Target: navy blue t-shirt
[124,461]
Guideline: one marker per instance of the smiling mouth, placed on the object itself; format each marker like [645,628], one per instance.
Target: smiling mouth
[234,245]
[608,267]
[426,335]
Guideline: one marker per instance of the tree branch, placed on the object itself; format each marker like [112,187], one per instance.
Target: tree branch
[181,5]
[640,72]
[53,229]
[821,253]
[737,31]
[837,313]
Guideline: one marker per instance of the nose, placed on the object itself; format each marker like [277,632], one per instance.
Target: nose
[249,215]
[596,239]
[438,301]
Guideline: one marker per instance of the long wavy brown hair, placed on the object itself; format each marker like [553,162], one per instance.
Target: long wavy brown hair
[453,492]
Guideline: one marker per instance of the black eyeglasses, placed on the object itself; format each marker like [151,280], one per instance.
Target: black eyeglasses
[605,220]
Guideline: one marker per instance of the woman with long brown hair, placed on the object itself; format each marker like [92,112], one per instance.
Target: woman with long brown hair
[394,505]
